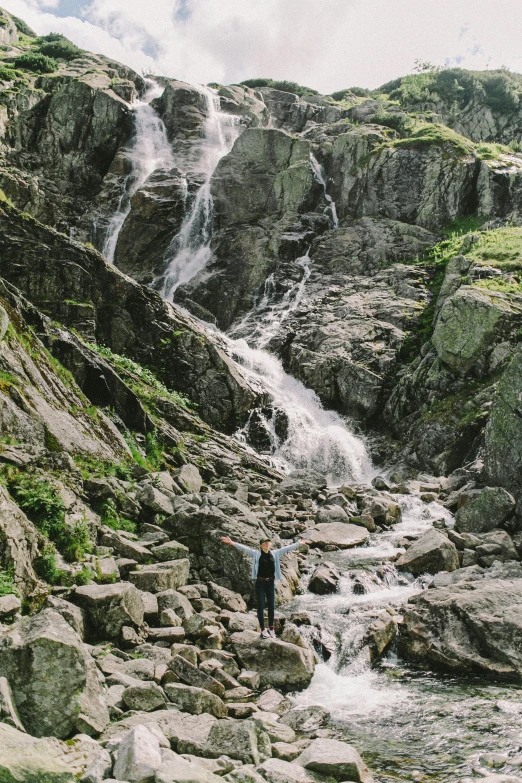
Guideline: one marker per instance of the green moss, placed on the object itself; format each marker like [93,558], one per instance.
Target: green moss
[501,248]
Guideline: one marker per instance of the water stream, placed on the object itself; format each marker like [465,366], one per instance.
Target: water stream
[408,724]
[149,150]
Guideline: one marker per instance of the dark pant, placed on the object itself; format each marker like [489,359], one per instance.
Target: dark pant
[265,590]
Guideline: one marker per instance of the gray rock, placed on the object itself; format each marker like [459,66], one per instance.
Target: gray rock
[330,514]
[278,771]
[191,675]
[446,626]
[337,533]
[125,547]
[71,614]
[110,607]
[485,511]
[161,576]
[335,759]
[170,550]
[9,605]
[278,732]
[144,697]
[250,679]
[227,599]
[139,756]
[99,768]
[4,322]
[244,774]
[195,700]
[431,553]
[325,579]
[280,664]
[239,621]
[24,758]
[154,499]
[303,482]
[189,477]
[19,544]
[56,686]
[176,769]
[8,712]
[239,739]
[305,719]
[172,599]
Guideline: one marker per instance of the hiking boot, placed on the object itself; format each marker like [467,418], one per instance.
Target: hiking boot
[265,634]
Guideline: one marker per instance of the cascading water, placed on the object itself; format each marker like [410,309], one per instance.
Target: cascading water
[321,178]
[189,251]
[149,150]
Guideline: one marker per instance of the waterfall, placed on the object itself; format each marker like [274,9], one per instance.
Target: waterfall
[321,179]
[149,150]
[189,251]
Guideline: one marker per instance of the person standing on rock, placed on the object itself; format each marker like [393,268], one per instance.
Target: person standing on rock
[266,569]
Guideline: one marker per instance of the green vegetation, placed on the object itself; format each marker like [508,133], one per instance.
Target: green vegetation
[59,47]
[500,284]
[93,466]
[500,89]
[501,248]
[7,584]
[3,196]
[486,151]
[359,92]
[22,27]
[111,517]
[45,565]
[463,225]
[284,86]
[37,497]
[36,62]
[142,373]
[433,134]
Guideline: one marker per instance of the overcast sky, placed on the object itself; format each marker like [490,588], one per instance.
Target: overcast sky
[325,44]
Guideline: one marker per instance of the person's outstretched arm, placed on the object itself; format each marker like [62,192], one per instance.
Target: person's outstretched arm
[290,547]
[242,547]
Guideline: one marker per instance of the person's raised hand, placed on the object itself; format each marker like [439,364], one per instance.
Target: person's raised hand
[227,540]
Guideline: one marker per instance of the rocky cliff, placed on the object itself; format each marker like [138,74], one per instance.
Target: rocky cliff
[177,263]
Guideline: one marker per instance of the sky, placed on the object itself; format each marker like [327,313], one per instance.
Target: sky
[325,44]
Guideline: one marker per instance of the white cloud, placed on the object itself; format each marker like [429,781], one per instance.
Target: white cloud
[327,45]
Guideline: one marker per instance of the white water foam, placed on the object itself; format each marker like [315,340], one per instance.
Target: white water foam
[149,150]
[321,178]
[189,251]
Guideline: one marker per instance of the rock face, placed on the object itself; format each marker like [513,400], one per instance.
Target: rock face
[468,627]
[485,511]
[432,552]
[19,542]
[503,435]
[280,664]
[55,683]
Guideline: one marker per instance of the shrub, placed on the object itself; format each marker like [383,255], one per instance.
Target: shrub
[284,86]
[22,27]
[58,46]
[36,62]
[359,92]
[501,93]
[110,516]
[45,565]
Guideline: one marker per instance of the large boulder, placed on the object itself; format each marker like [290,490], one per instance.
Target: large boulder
[337,534]
[239,739]
[110,607]
[195,700]
[24,759]
[335,759]
[56,685]
[431,553]
[325,579]
[486,510]
[19,541]
[158,577]
[280,664]
[468,627]
[139,756]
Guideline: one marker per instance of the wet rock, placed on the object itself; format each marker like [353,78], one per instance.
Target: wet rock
[431,553]
[337,533]
[449,626]
[280,664]
[485,510]
[195,700]
[335,759]
[139,756]
[161,576]
[324,580]
[306,719]
[110,607]
[56,686]
[381,634]
[24,758]
[384,511]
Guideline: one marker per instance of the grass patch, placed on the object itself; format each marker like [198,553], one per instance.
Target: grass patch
[463,225]
[7,584]
[501,285]
[501,248]
[36,63]
[111,517]
[92,466]
[435,135]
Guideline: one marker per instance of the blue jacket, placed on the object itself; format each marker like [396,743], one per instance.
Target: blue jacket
[255,554]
